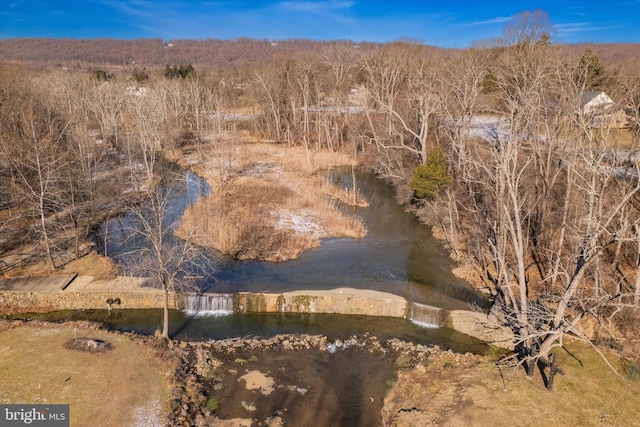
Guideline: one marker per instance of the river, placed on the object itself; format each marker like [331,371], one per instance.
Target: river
[398,255]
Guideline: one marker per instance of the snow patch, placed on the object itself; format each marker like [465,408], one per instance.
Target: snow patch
[262,169]
[489,128]
[304,224]
[149,415]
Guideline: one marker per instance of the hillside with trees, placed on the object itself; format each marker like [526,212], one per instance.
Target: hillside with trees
[216,53]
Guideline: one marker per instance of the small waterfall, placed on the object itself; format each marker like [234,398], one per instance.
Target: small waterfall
[424,315]
[208,304]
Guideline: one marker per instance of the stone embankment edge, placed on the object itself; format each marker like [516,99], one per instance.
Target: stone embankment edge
[335,301]
[12,302]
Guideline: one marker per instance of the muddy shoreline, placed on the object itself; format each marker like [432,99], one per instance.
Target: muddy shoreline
[293,379]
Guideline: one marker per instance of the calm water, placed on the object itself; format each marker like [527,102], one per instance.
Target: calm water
[398,254]
[204,328]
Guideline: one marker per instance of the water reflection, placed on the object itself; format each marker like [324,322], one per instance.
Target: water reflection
[189,328]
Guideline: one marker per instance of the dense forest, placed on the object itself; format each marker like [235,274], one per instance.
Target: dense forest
[82,53]
[496,148]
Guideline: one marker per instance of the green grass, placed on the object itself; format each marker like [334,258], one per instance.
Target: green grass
[213,404]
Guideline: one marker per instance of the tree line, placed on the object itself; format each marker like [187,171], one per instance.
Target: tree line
[41,53]
[83,54]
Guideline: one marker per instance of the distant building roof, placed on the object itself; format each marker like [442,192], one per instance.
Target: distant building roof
[589,95]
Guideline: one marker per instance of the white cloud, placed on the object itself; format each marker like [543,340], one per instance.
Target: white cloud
[580,27]
[496,20]
[315,6]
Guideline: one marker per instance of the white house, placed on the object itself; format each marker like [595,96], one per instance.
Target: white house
[601,111]
[592,101]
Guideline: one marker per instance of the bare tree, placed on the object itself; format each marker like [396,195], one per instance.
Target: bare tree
[105,102]
[549,194]
[148,111]
[38,158]
[386,74]
[304,76]
[270,91]
[169,263]
[460,86]
[528,27]
[630,82]
[341,59]
[72,94]
[401,80]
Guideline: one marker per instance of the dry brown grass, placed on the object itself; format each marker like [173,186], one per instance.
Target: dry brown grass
[94,265]
[617,138]
[121,387]
[268,203]
[624,139]
[91,264]
[457,390]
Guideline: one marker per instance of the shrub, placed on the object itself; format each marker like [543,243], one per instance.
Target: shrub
[140,75]
[213,404]
[431,178]
[180,72]
[101,75]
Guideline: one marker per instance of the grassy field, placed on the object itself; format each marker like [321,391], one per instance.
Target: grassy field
[453,390]
[91,264]
[124,386]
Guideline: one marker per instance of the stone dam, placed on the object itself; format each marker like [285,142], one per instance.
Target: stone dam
[71,292]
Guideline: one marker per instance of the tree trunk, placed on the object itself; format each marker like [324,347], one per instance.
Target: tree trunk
[45,236]
[165,309]
[554,369]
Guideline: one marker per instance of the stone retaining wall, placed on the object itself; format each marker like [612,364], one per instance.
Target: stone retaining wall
[38,302]
[485,327]
[334,301]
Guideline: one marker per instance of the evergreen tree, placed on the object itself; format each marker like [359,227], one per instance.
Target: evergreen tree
[432,177]
[590,73]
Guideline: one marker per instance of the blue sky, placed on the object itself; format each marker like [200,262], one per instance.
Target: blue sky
[447,23]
